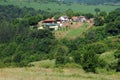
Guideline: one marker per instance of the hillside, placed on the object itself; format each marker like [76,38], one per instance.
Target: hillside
[79,45]
[91,2]
[60,7]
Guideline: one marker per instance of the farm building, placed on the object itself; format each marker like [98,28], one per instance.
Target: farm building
[79,18]
[48,23]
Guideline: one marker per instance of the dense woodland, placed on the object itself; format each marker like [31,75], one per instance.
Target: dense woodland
[20,45]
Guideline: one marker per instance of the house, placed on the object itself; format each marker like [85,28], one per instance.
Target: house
[49,23]
[75,19]
[82,18]
[49,20]
[78,18]
[64,19]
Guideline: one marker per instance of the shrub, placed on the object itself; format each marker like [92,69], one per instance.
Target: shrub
[90,61]
[117,56]
[60,56]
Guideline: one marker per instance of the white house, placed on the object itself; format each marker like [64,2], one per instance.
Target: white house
[64,18]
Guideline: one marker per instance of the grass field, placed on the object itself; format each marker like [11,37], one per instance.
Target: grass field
[37,73]
[54,7]
[40,71]
[73,32]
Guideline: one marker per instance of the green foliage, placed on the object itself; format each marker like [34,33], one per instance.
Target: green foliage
[117,56]
[99,21]
[90,61]
[103,14]
[6,32]
[97,10]
[113,15]
[77,56]
[98,48]
[59,7]
[89,15]
[60,56]
[113,28]
[69,13]
[96,34]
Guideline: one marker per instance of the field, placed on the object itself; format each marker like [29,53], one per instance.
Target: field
[40,73]
[73,32]
[54,7]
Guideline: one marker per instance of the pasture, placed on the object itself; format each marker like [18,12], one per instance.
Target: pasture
[72,32]
[54,7]
[38,73]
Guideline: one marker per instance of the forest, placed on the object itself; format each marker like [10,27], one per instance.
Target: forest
[20,45]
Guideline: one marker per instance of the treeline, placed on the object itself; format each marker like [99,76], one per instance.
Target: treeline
[10,13]
[19,44]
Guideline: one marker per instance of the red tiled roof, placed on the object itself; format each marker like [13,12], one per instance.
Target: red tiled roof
[47,20]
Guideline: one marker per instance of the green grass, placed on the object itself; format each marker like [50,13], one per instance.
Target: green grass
[73,33]
[37,73]
[44,64]
[54,7]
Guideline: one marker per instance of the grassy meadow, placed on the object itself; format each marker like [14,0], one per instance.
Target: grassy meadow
[54,7]
[40,72]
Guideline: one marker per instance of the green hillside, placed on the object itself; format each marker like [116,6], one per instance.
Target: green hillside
[56,7]
[88,50]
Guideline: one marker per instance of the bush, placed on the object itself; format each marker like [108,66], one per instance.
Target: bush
[60,56]
[90,61]
[113,28]
[77,56]
[99,48]
[117,56]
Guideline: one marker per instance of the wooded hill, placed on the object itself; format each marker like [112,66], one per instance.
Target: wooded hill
[21,45]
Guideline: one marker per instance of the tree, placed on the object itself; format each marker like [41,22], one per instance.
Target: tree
[103,14]
[99,21]
[113,15]
[90,61]
[6,31]
[69,13]
[89,15]
[113,28]
[117,19]
[97,10]
[60,55]
[77,56]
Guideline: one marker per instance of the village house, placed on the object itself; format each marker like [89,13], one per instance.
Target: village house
[64,19]
[49,23]
[79,19]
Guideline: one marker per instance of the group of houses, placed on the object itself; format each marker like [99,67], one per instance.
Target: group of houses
[55,24]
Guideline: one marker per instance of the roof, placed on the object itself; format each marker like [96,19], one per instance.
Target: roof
[74,17]
[81,16]
[49,20]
